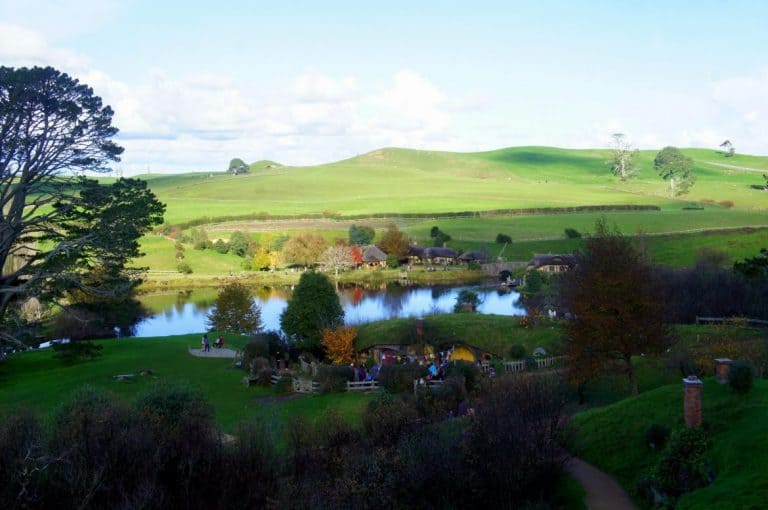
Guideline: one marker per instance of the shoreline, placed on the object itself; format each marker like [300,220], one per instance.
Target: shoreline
[177,281]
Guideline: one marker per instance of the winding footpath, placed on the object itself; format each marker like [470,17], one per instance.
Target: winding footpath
[603,491]
[222,352]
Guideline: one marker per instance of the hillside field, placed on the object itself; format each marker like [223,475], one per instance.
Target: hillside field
[724,210]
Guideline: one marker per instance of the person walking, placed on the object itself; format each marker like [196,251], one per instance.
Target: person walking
[206,343]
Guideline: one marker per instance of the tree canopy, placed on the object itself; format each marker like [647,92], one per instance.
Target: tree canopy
[393,242]
[238,166]
[304,249]
[617,313]
[313,306]
[624,157]
[677,168]
[58,230]
[361,234]
[235,311]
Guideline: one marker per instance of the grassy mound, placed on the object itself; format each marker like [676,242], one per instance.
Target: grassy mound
[612,439]
[492,333]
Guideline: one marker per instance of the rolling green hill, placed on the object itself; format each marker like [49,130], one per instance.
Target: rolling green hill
[403,180]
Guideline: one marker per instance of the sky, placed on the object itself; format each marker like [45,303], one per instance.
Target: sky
[194,84]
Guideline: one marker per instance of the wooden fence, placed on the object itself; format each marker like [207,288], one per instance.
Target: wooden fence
[363,386]
[514,366]
[426,383]
[305,386]
[552,362]
[731,320]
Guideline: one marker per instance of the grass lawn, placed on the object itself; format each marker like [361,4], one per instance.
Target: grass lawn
[612,439]
[492,333]
[37,380]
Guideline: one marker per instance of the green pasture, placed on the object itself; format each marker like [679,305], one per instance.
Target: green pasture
[403,180]
[39,381]
[491,333]
[612,439]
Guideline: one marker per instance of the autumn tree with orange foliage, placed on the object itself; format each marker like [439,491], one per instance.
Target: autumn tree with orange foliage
[339,344]
[613,298]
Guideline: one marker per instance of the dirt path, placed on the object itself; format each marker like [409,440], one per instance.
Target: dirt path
[736,167]
[213,353]
[603,491]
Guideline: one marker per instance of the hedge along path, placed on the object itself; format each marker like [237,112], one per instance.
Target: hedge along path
[603,491]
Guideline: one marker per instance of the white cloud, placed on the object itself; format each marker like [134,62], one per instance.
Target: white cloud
[20,46]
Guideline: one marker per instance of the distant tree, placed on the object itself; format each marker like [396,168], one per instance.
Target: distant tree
[728,148]
[503,238]
[534,281]
[313,306]
[179,251]
[240,244]
[261,260]
[235,311]
[357,255]
[221,246]
[617,313]
[304,249]
[754,268]
[339,344]
[673,166]
[572,233]
[623,161]
[394,242]
[336,258]
[439,238]
[361,234]
[199,238]
[237,166]
[766,181]
[465,300]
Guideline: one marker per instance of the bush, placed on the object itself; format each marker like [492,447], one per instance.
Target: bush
[393,262]
[73,352]
[397,378]
[437,403]
[221,246]
[572,233]
[728,204]
[656,436]
[257,347]
[682,466]
[466,370]
[503,238]
[740,377]
[387,418]
[517,351]
[334,377]
[184,268]
[250,475]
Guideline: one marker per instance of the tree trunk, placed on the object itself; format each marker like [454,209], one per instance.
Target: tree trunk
[671,187]
[632,377]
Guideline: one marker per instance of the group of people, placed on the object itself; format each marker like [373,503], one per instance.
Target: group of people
[206,343]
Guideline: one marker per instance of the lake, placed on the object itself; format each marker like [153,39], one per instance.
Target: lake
[185,312]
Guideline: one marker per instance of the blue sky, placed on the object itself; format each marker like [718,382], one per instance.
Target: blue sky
[194,84]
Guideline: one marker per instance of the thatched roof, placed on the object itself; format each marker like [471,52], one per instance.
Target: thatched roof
[478,256]
[416,251]
[372,253]
[437,252]
[549,259]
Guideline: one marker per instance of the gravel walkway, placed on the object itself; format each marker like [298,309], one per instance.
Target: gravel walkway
[603,491]
[213,353]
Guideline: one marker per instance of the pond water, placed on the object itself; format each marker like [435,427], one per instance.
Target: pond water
[185,312]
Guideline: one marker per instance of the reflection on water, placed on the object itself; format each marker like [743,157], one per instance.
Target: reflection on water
[185,312]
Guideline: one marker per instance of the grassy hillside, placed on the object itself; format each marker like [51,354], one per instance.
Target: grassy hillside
[493,333]
[403,180]
[40,382]
[612,438]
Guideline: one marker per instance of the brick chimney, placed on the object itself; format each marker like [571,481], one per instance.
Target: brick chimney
[692,401]
[722,367]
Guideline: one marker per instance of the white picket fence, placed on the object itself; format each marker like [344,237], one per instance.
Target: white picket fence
[514,366]
[551,362]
